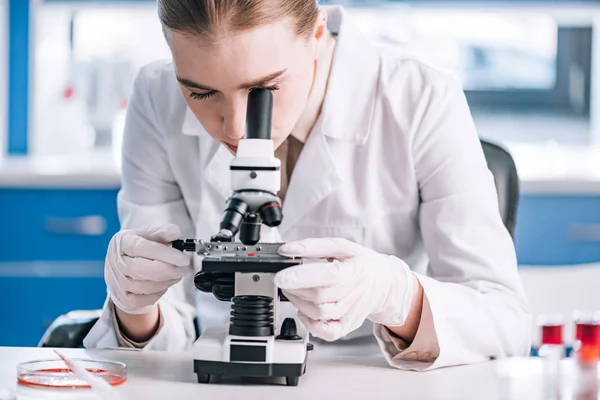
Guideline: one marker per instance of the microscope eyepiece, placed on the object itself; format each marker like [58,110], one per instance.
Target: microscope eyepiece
[258,114]
[271,214]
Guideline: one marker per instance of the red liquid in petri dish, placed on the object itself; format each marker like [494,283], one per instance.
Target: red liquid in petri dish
[63,378]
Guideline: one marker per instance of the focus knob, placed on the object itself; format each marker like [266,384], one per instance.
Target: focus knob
[220,284]
[288,330]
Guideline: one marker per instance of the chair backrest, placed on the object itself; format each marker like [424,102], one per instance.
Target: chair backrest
[70,329]
[504,170]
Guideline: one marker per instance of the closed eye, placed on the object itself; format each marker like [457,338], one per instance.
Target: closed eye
[202,96]
[207,95]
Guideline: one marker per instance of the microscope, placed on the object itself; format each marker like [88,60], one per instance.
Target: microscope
[241,270]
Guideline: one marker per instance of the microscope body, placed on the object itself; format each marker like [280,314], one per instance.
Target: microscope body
[255,343]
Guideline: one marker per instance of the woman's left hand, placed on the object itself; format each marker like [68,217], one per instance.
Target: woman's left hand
[351,284]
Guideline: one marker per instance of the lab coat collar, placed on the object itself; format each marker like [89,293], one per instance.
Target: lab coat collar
[316,175]
[191,125]
[217,173]
[351,90]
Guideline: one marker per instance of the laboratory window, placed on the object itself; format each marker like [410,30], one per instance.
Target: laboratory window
[86,58]
[527,76]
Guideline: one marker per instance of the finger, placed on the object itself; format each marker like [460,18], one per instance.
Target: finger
[336,248]
[151,270]
[137,286]
[162,234]
[326,294]
[138,301]
[326,310]
[305,321]
[303,306]
[313,275]
[326,330]
[134,245]
[148,287]
[331,330]
[126,300]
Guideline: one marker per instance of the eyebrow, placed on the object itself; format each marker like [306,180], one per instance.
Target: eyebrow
[256,83]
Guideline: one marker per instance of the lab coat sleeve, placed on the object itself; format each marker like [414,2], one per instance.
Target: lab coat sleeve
[476,306]
[150,196]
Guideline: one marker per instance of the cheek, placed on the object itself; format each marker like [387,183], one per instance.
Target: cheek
[285,106]
[289,103]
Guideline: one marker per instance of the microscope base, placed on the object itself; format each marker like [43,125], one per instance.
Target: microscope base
[218,354]
[206,369]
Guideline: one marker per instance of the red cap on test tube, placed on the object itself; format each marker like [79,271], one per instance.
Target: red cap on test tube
[589,333]
[552,334]
[552,329]
[580,318]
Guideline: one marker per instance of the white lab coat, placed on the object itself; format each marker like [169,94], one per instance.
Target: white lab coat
[394,163]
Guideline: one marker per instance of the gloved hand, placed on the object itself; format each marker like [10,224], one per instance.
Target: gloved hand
[141,265]
[335,297]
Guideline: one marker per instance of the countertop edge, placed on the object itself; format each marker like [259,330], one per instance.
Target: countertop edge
[74,181]
[565,186]
[559,187]
[113,182]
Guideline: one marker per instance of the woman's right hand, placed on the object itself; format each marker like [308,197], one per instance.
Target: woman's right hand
[141,265]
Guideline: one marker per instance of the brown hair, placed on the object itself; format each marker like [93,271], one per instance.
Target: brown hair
[206,17]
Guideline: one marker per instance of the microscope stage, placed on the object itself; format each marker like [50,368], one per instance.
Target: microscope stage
[247,264]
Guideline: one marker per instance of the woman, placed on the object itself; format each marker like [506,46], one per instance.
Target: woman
[383,178]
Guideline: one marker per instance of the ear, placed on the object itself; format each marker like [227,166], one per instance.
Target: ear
[320,32]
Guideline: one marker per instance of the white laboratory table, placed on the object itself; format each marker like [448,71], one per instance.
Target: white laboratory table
[352,374]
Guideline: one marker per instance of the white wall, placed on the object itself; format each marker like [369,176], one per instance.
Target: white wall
[3,76]
[562,290]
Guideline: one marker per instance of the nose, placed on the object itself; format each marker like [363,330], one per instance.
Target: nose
[234,119]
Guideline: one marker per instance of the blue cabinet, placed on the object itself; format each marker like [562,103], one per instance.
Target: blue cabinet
[56,224]
[558,229]
[35,294]
[52,248]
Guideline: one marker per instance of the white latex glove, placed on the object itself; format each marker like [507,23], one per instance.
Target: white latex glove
[335,297]
[141,265]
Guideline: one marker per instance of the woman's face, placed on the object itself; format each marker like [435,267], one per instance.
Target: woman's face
[215,76]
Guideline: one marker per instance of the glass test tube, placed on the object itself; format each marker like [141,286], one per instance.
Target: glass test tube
[552,350]
[587,353]
[588,343]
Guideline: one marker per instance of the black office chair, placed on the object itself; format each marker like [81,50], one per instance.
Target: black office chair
[504,170]
[70,329]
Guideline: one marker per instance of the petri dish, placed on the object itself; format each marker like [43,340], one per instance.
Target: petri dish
[54,374]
